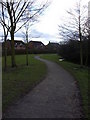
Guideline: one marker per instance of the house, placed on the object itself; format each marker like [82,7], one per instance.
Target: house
[18,44]
[52,46]
[36,45]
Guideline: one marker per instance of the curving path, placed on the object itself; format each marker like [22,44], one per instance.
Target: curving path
[57,96]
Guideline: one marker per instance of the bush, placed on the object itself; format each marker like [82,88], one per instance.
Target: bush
[71,51]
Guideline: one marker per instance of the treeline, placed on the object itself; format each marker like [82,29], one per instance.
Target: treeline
[70,51]
[33,51]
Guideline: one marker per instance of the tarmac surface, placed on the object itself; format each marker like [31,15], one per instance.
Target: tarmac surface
[57,96]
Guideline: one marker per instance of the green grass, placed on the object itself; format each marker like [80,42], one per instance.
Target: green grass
[16,82]
[80,74]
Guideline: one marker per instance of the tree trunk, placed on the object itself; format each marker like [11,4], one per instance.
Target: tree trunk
[27,54]
[81,54]
[5,54]
[27,48]
[86,62]
[81,48]
[12,50]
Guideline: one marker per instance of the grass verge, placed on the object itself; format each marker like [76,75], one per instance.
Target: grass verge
[16,82]
[81,75]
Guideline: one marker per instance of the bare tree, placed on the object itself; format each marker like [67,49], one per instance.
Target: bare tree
[16,13]
[73,29]
[86,32]
[26,37]
[27,28]
[5,32]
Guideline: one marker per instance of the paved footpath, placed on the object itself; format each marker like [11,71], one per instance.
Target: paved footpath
[57,96]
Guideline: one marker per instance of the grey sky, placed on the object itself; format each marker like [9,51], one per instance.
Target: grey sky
[47,28]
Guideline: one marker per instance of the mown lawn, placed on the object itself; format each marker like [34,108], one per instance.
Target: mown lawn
[16,82]
[81,75]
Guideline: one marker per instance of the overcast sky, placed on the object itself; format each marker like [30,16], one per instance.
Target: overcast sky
[47,28]
[48,25]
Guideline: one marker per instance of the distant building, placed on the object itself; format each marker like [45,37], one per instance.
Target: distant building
[36,45]
[18,44]
[52,46]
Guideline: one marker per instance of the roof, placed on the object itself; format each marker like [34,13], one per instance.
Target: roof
[36,42]
[52,43]
[16,41]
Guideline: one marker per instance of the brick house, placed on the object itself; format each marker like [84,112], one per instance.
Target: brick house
[36,45]
[18,44]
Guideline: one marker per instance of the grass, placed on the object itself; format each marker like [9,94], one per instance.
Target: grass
[16,82]
[80,74]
